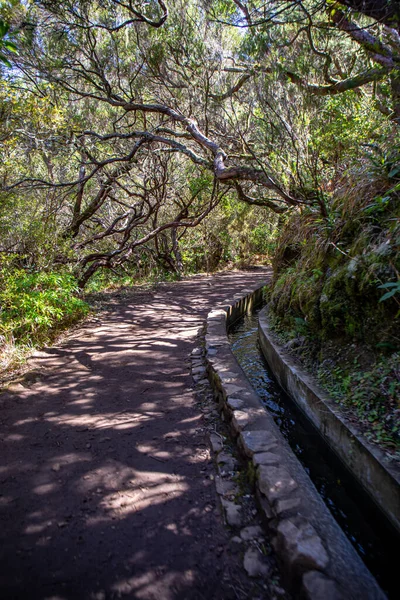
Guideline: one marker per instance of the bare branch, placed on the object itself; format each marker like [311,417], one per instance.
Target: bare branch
[379,52]
[266,202]
[221,172]
[235,88]
[380,10]
[339,87]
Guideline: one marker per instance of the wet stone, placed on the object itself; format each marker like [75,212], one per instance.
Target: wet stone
[235,403]
[227,376]
[200,370]
[217,313]
[214,340]
[287,505]
[236,540]
[197,362]
[240,419]
[265,506]
[214,344]
[232,389]
[225,487]
[226,462]
[232,513]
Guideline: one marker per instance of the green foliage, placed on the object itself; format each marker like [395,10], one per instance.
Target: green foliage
[262,239]
[372,394]
[345,123]
[235,233]
[393,288]
[32,304]
[6,43]
[109,280]
[329,271]
[326,301]
[385,160]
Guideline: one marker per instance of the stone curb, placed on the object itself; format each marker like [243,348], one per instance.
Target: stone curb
[262,576]
[369,465]
[319,561]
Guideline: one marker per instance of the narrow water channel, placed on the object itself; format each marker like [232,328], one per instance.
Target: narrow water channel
[374,538]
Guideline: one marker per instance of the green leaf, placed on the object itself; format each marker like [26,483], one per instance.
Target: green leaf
[388,345]
[390,284]
[4,28]
[388,295]
[11,47]
[5,60]
[394,171]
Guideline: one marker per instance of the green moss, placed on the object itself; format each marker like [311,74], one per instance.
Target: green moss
[373,395]
[327,292]
[251,474]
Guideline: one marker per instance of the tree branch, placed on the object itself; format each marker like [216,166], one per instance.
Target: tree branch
[339,87]
[380,10]
[379,52]
[235,88]
[262,202]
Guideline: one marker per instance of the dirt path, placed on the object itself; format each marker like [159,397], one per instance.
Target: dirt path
[104,460]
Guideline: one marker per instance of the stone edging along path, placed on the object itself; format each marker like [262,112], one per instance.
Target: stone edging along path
[369,464]
[316,555]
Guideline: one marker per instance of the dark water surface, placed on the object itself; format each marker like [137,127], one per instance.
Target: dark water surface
[374,538]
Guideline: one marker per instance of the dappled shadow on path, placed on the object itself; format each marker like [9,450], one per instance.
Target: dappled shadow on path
[104,463]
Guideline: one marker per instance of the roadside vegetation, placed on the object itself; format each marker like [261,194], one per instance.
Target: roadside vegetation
[335,298]
[35,307]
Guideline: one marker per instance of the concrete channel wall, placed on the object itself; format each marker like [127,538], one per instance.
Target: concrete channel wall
[369,465]
[319,561]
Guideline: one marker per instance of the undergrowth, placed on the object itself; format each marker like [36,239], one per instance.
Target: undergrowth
[372,395]
[364,383]
[34,308]
[335,296]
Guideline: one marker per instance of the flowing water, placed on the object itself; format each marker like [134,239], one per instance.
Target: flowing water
[366,527]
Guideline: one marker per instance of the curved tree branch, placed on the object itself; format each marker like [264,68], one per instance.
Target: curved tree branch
[235,88]
[339,87]
[259,202]
[379,52]
[380,10]
[221,172]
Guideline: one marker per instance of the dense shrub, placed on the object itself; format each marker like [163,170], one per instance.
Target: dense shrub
[33,304]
